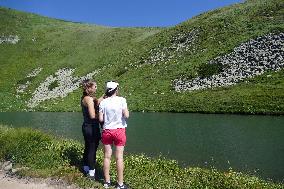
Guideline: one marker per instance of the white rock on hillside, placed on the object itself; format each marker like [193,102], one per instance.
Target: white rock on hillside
[247,60]
[182,42]
[22,87]
[66,83]
[11,39]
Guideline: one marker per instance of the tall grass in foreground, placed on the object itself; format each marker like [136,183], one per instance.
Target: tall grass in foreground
[47,156]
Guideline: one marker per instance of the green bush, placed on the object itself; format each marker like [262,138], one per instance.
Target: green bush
[207,70]
[30,148]
[53,85]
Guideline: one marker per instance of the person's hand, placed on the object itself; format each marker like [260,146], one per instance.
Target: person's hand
[101,99]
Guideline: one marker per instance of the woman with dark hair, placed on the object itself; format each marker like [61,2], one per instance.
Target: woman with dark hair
[90,127]
[113,112]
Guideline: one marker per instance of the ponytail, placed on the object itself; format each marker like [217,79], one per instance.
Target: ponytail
[110,92]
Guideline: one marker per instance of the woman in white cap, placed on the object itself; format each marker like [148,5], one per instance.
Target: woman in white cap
[113,112]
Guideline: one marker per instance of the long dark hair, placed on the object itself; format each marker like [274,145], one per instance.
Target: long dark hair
[86,85]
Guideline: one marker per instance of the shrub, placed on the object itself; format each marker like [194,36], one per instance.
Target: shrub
[207,70]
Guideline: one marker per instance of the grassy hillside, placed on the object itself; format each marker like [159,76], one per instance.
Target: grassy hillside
[145,61]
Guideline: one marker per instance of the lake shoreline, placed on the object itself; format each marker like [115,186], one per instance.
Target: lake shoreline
[48,156]
[192,139]
[174,112]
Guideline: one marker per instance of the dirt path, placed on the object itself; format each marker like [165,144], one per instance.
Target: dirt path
[11,182]
[7,182]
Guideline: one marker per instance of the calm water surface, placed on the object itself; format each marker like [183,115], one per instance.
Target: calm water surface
[251,144]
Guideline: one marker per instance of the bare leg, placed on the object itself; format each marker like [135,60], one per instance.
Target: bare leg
[107,158]
[119,163]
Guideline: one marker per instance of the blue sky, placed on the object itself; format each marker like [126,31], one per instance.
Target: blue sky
[125,13]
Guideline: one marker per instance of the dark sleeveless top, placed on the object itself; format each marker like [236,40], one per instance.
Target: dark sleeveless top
[86,115]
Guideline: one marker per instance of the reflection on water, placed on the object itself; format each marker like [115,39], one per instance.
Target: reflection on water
[245,143]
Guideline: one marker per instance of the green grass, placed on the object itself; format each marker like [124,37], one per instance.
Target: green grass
[89,47]
[47,156]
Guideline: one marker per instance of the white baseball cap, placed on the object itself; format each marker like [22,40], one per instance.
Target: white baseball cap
[111,85]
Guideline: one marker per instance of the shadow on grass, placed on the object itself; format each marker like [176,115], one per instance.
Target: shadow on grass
[75,159]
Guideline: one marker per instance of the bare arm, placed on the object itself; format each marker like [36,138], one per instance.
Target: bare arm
[101,117]
[125,113]
[90,104]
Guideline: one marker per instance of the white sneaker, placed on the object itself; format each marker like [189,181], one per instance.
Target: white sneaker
[92,173]
[123,186]
[107,185]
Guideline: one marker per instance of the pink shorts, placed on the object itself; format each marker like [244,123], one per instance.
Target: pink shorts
[116,136]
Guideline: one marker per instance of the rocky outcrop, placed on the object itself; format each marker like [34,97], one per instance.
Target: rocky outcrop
[23,86]
[252,58]
[179,43]
[65,84]
[11,39]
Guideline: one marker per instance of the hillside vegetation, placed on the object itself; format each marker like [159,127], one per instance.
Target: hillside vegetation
[36,154]
[229,60]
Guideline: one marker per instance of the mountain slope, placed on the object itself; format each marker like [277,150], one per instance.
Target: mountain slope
[148,62]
